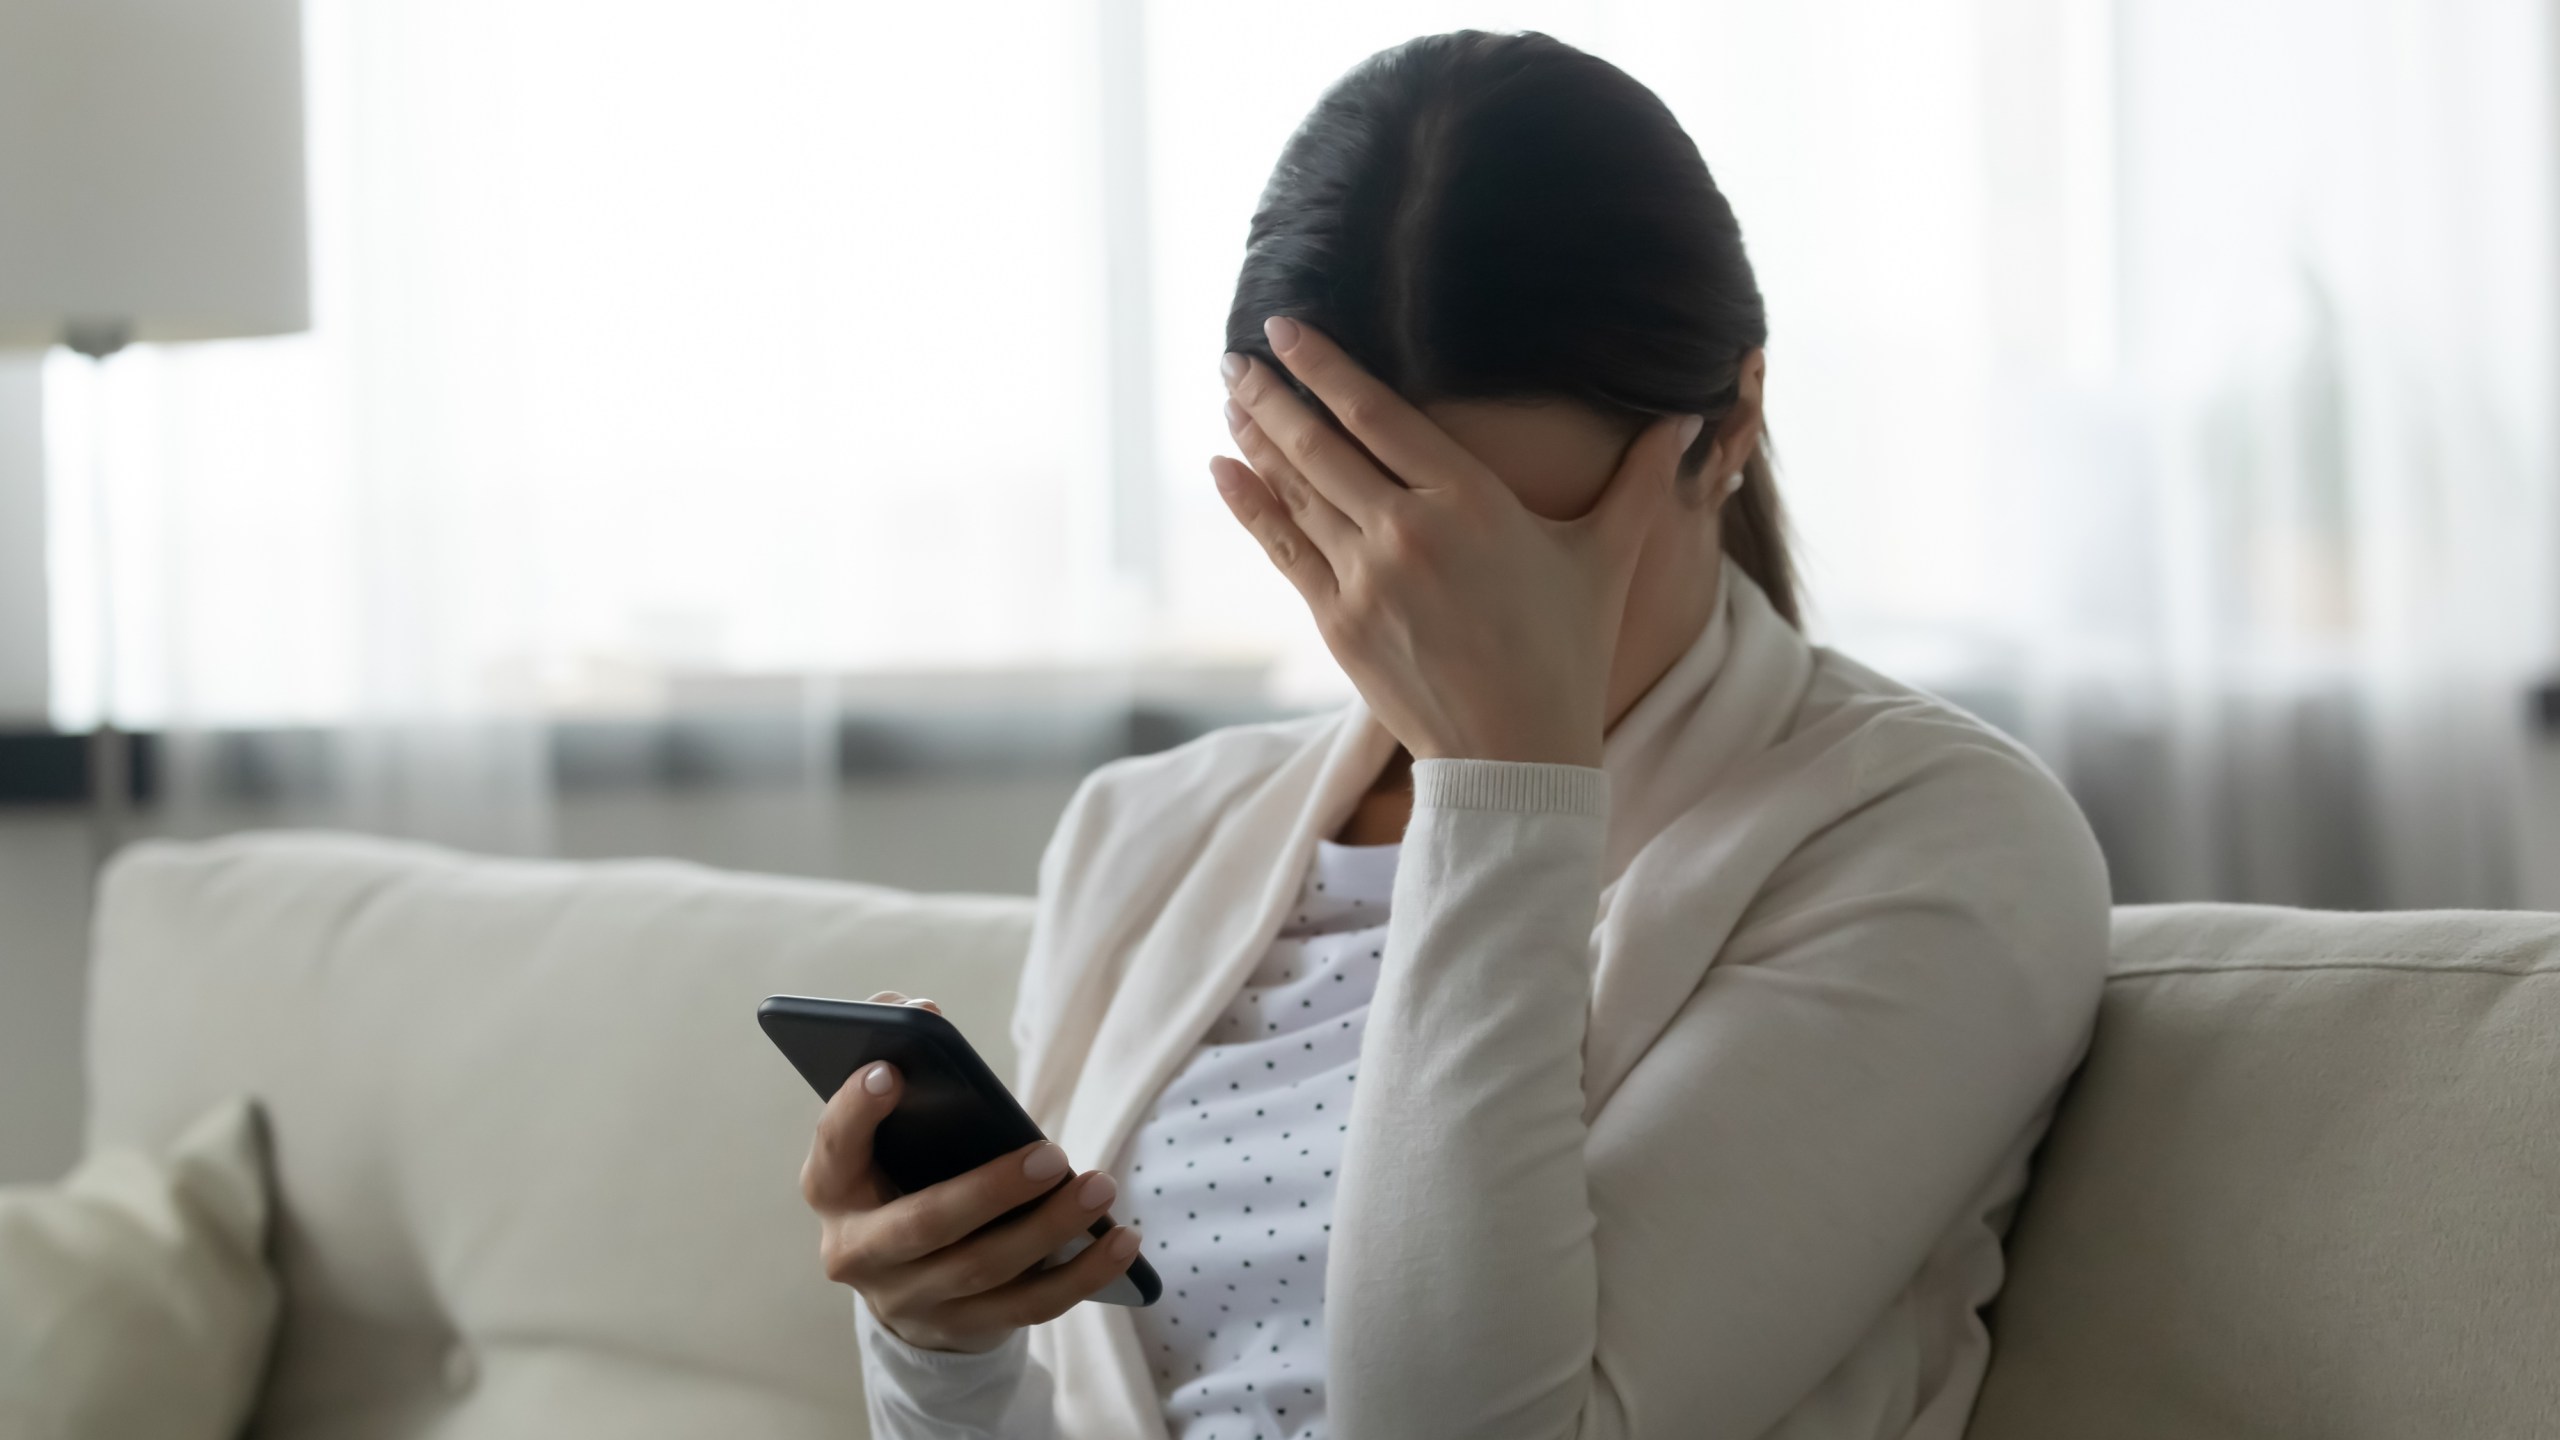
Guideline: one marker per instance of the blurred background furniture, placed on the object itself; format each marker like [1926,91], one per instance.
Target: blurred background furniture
[538,1167]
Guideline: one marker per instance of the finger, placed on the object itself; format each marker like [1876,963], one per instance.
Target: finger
[838,1173]
[999,1254]
[1267,520]
[1313,514]
[923,1004]
[1403,438]
[1044,1295]
[1332,463]
[914,1226]
[1628,503]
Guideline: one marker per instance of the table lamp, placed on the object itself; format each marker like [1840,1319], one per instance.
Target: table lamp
[151,189]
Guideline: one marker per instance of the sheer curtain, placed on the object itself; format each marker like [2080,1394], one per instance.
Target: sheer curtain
[2293,533]
[2166,380]
[652,341]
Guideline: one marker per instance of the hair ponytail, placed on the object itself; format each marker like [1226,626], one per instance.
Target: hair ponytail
[1755,535]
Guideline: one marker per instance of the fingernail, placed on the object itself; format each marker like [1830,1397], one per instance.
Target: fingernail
[1236,418]
[1096,1191]
[1122,1244]
[1281,331]
[919,1000]
[1046,1163]
[880,1078]
[1231,365]
[1689,429]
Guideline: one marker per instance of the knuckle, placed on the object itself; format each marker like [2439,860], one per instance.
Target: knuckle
[902,1232]
[1058,1223]
[979,1273]
[836,1126]
[1307,445]
[841,1257]
[1362,411]
[1354,599]
[932,1228]
[1398,538]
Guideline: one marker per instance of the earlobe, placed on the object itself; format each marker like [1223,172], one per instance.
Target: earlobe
[1738,435]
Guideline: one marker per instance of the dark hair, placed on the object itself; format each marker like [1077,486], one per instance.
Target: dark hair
[1478,216]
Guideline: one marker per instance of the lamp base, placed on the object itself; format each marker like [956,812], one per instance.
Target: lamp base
[110,790]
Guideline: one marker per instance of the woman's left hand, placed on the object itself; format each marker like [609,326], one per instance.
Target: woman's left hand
[1473,627]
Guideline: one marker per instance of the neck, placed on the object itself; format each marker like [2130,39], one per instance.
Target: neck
[1663,620]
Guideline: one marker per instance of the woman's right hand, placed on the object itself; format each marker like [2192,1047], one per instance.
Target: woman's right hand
[929,1264]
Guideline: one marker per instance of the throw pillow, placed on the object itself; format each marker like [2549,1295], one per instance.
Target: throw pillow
[135,1298]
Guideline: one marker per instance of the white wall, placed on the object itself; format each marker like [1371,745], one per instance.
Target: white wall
[43,855]
[44,930]
[939,833]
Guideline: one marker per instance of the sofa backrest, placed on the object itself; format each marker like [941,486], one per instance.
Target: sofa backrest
[539,1167]
[2306,1185]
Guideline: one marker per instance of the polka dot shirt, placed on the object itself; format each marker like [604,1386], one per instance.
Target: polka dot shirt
[1231,1179]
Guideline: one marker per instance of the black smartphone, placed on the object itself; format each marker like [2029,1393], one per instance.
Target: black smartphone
[954,1116]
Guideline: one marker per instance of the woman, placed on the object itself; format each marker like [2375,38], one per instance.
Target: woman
[1728,984]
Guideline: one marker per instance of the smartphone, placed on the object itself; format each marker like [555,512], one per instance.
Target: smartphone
[954,1116]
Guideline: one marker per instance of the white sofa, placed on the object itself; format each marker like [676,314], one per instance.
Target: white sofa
[538,1166]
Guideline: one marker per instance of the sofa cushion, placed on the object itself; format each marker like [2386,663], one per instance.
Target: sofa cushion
[135,1299]
[2306,1185]
[537,1167]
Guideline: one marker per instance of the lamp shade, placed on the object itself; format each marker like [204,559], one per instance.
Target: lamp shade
[151,169]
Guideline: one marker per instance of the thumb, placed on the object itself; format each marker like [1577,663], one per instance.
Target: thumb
[838,1172]
[1627,505]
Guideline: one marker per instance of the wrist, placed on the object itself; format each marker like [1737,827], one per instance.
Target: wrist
[925,1341]
[1561,748]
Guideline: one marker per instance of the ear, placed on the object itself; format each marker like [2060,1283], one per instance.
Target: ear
[1738,434]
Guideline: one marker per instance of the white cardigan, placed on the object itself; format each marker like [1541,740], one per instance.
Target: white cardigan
[1697,1090]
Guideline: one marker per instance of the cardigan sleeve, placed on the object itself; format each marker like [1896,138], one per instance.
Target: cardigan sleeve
[1770,1176]
[919,1394]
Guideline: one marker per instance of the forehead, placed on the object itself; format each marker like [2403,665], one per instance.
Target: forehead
[1554,453]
